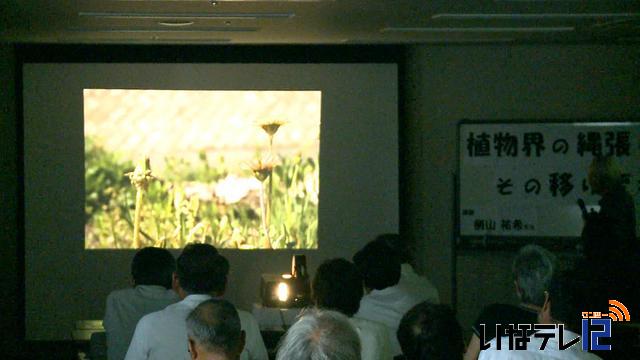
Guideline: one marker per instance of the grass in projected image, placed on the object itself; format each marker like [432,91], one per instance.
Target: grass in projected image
[236,169]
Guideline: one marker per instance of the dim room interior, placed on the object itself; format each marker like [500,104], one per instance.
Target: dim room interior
[281,128]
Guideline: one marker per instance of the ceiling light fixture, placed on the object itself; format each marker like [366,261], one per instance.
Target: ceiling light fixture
[225,29]
[157,16]
[534,16]
[175,23]
[477,29]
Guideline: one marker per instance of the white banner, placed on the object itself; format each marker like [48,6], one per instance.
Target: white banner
[524,179]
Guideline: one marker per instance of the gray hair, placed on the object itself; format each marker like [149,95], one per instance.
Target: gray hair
[533,269]
[320,335]
[215,325]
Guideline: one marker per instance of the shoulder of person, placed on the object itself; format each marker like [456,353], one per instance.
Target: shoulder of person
[120,294]
[368,324]
[247,319]
[152,320]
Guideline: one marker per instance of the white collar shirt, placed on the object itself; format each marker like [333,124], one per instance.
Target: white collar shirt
[163,335]
[374,339]
[387,306]
[418,285]
[533,352]
[125,307]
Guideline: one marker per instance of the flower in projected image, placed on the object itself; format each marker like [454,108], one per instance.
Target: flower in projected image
[140,178]
[271,127]
[141,175]
[262,168]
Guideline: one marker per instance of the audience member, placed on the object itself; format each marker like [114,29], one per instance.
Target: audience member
[610,235]
[320,335]
[214,331]
[430,332]
[419,285]
[559,308]
[611,246]
[533,269]
[151,272]
[200,275]
[384,302]
[337,286]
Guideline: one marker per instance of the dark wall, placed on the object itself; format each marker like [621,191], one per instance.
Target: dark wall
[444,84]
[9,283]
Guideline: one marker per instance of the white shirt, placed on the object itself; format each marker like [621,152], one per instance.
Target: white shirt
[533,352]
[387,306]
[418,285]
[123,310]
[163,334]
[374,339]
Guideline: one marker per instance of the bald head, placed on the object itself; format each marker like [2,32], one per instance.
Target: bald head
[214,331]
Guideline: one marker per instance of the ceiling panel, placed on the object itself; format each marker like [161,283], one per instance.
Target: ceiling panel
[318,22]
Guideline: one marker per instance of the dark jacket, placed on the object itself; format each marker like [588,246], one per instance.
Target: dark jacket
[609,236]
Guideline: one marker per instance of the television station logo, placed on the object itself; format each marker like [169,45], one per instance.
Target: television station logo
[596,326]
[602,323]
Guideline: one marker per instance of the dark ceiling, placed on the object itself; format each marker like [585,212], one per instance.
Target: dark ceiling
[318,21]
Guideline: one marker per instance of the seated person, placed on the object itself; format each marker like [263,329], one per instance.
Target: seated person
[419,285]
[430,331]
[151,272]
[214,331]
[201,274]
[338,286]
[558,308]
[384,302]
[533,269]
[320,334]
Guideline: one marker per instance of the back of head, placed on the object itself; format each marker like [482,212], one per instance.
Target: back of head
[320,335]
[533,268]
[338,286]
[378,264]
[214,327]
[430,331]
[604,174]
[201,270]
[397,244]
[564,299]
[153,266]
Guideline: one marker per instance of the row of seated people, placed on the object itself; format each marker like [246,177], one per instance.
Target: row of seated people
[397,315]
[167,290]
[431,332]
[147,320]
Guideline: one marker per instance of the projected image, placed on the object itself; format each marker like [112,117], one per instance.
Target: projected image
[236,169]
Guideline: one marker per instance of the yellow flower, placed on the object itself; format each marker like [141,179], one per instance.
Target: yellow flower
[141,175]
[262,169]
[271,127]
